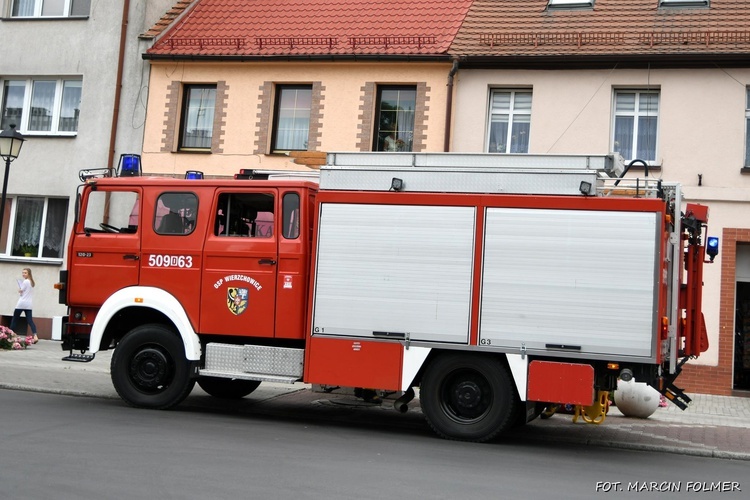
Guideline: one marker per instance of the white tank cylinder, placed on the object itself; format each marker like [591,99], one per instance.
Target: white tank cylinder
[636,399]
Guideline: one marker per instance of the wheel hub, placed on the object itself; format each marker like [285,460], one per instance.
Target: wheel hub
[149,368]
[468,395]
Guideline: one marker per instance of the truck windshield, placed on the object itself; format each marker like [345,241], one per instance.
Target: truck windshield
[112,212]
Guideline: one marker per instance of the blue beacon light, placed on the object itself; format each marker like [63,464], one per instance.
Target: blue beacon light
[712,247]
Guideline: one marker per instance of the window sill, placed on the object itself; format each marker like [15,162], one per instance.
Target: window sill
[42,135]
[745,170]
[194,151]
[45,18]
[35,260]
[641,168]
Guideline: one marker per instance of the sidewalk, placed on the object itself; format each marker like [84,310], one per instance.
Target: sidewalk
[713,426]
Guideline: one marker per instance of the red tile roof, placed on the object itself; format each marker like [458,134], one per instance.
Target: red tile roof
[250,28]
[527,28]
[167,19]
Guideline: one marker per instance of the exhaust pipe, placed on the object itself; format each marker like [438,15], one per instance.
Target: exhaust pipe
[401,405]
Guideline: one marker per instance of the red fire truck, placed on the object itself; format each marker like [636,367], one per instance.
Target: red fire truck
[495,284]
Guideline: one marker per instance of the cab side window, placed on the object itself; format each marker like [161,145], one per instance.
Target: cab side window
[290,208]
[175,213]
[111,212]
[245,215]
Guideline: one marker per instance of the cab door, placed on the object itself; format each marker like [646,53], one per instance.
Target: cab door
[106,249]
[174,225]
[238,290]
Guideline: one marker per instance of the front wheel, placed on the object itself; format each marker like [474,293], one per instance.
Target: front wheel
[468,397]
[227,388]
[149,368]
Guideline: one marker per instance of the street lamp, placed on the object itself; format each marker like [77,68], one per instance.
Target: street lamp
[10,145]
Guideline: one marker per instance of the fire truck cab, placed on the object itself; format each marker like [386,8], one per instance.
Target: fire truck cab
[495,284]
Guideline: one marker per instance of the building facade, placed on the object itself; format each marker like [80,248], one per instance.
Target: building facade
[74,85]
[666,82]
[240,86]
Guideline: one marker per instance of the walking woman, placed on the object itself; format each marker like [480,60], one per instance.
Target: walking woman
[26,290]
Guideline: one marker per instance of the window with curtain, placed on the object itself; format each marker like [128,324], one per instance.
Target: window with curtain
[394,118]
[37,227]
[70,108]
[199,103]
[510,121]
[42,103]
[635,124]
[13,95]
[747,128]
[291,123]
[50,8]
[43,106]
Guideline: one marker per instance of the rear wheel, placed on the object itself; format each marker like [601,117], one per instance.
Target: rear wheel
[468,397]
[149,368]
[227,388]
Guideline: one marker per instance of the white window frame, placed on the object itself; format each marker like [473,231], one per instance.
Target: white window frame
[23,127]
[511,112]
[188,112]
[635,115]
[747,128]
[12,215]
[276,125]
[400,137]
[39,4]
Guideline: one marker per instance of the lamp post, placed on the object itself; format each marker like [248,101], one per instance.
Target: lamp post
[10,145]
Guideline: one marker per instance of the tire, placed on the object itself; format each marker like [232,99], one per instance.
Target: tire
[149,368]
[227,388]
[468,397]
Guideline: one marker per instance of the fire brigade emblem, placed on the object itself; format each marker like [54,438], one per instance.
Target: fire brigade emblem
[237,300]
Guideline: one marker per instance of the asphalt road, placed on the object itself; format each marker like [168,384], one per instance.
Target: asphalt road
[68,447]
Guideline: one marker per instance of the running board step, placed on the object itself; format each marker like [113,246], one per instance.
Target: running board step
[249,376]
[79,358]
[253,362]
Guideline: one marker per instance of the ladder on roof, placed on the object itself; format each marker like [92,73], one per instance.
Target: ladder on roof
[471,173]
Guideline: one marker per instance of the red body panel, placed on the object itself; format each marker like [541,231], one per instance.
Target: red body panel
[354,363]
[554,382]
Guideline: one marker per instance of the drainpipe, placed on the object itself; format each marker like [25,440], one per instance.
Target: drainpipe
[118,86]
[116,104]
[449,106]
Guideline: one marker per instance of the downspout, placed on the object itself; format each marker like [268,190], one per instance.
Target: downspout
[449,106]
[116,104]
[118,86]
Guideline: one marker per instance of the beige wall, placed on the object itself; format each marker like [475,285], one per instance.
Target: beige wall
[701,131]
[342,98]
